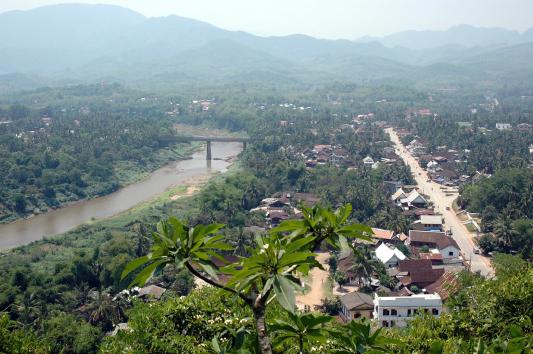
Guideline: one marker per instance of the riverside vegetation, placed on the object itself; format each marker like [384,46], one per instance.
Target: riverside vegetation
[59,292]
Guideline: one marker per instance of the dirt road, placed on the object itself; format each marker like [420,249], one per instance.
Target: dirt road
[441,201]
[319,278]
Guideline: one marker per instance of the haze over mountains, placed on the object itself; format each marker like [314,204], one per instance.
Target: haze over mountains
[101,42]
[462,35]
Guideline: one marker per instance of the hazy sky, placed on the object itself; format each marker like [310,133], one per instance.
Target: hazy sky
[327,18]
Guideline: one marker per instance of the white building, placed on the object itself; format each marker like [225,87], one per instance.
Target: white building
[389,257]
[503,126]
[368,161]
[395,311]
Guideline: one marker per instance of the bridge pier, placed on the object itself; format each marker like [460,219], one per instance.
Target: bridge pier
[208,157]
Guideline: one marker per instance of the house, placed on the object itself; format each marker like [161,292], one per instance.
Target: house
[413,200]
[396,311]
[368,161]
[445,286]
[447,246]
[151,292]
[440,159]
[344,265]
[275,217]
[382,235]
[356,305]
[432,166]
[389,257]
[274,202]
[524,126]
[435,257]
[429,223]
[503,126]
[322,149]
[424,112]
[418,272]
[398,195]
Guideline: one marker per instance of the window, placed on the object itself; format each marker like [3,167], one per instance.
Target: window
[393,312]
[356,315]
[435,312]
[392,323]
[385,324]
[386,312]
[408,312]
[450,253]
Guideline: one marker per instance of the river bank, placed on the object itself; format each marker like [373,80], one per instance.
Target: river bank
[124,172]
[173,175]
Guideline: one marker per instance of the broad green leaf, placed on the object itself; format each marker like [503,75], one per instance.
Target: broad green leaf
[131,266]
[209,269]
[147,273]
[284,293]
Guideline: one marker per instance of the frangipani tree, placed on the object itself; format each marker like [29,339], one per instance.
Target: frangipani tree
[270,273]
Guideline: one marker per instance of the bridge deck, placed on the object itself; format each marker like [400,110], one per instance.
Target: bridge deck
[213,138]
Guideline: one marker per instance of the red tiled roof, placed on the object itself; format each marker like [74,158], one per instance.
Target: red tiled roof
[431,256]
[420,272]
[445,286]
[382,234]
[414,265]
[439,239]
[422,277]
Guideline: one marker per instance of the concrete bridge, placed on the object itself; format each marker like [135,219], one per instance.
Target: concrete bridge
[209,139]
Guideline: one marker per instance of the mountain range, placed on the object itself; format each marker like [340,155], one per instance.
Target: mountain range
[81,43]
[462,35]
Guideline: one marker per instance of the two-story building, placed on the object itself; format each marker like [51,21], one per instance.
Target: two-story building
[396,311]
[355,305]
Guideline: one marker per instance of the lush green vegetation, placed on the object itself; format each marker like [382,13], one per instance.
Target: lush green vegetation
[78,143]
[72,279]
[506,207]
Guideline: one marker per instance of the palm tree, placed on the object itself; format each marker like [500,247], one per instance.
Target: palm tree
[104,311]
[28,309]
[504,231]
[306,329]
[397,222]
[364,266]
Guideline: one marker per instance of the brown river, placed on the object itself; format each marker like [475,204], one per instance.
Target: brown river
[61,220]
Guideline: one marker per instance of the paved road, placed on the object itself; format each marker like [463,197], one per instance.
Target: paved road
[441,201]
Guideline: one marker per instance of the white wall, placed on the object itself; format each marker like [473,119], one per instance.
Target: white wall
[450,252]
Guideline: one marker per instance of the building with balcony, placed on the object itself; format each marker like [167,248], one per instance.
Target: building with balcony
[396,311]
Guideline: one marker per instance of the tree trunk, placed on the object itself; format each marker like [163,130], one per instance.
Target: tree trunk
[262,336]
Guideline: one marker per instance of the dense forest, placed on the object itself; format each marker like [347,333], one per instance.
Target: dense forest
[58,146]
[505,202]
[63,293]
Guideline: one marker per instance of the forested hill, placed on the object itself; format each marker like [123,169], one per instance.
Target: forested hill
[89,43]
